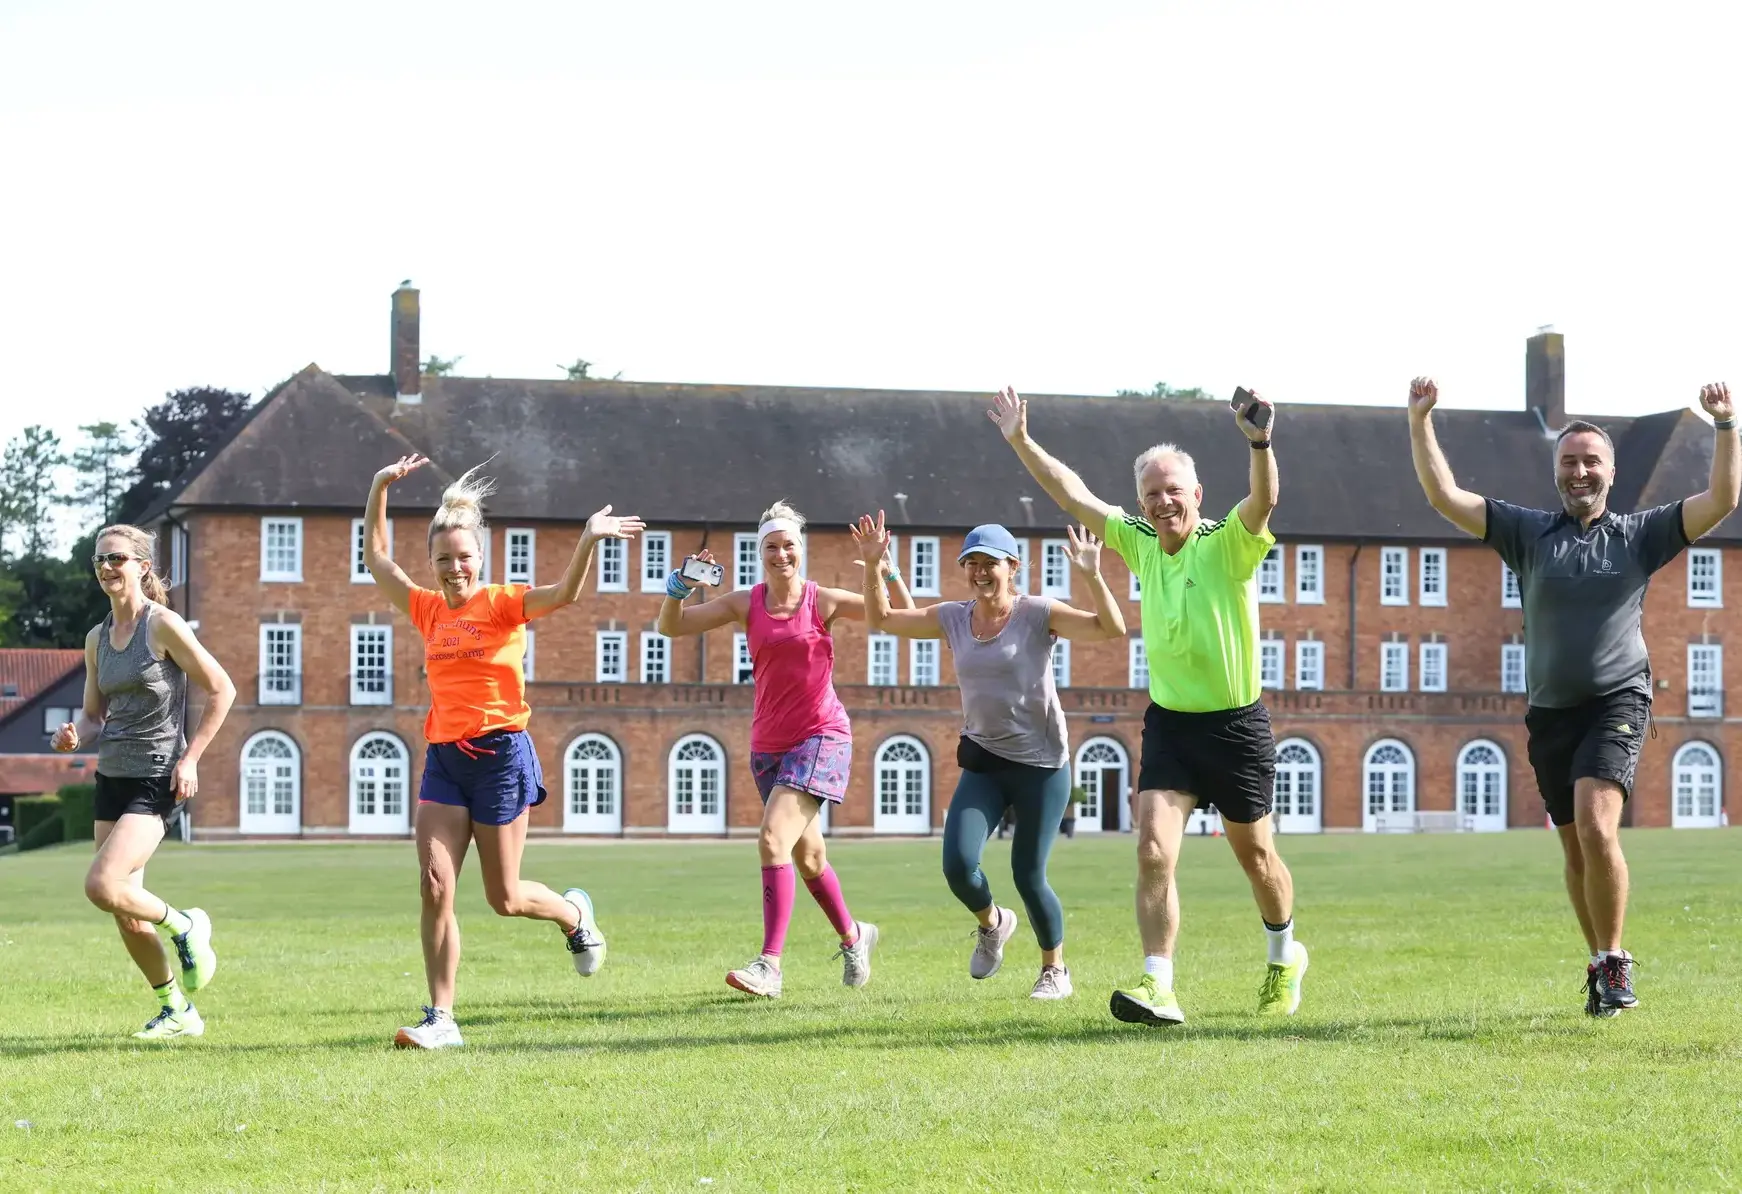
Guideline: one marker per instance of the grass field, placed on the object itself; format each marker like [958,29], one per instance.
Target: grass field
[1441,1043]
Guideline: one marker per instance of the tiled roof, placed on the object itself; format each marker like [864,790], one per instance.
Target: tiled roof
[27,671]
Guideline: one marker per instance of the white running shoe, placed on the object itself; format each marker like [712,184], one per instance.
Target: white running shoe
[856,958]
[167,1024]
[1054,983]
[761,977]
[988,953]
[436,1030]
[586,942]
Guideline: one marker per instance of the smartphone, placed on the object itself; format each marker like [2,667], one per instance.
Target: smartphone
[703,572]
[1253,410]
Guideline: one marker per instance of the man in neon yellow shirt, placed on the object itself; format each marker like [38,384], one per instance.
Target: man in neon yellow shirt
[1206,735]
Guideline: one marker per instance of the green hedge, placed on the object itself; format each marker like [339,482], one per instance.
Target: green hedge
[45,833]
[30,811]
[78,811]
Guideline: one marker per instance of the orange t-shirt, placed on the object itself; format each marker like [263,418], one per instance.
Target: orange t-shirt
[473,656]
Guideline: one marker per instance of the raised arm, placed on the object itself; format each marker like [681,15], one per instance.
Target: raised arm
[1106,620]
[1706,510]
[1264,486]
[676,619]
[87,724]
[871,540]
[179,643]
[1465,510]
[1062,484]
[390,578]
[546,598]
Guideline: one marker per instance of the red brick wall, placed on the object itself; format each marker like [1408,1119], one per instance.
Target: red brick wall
[230,601]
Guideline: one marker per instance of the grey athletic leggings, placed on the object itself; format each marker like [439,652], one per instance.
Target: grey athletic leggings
[1039,797]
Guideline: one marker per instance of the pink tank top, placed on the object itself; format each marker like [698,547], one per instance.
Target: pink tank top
[793,663]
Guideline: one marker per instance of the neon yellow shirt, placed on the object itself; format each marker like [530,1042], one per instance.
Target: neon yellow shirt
[1199,608]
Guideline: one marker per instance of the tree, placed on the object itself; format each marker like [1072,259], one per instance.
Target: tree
[1163,390]
[174,435]
[54,603]
[29,491]
[103,469]
[577,371]
[440,366]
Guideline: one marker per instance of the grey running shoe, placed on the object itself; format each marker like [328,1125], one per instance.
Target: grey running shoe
[1054,983]
[856,958]
[760,977]
[988,953]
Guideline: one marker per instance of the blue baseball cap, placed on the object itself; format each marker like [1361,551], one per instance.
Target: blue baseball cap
[990,539]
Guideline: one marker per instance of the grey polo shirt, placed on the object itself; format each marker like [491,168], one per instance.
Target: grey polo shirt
[1584,595]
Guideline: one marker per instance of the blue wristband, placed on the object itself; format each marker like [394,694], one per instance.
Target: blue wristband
[675,588]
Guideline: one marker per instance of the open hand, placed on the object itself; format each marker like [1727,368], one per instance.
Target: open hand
[603,526]
[401,467]
[871,539]
[1085,550]
[1010,413]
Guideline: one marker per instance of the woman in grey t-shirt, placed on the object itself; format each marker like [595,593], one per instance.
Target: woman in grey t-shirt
[1013,751]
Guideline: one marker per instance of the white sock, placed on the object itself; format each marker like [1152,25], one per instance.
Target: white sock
[1610,953]
[1278,941]
[1161,968]
[1596,959]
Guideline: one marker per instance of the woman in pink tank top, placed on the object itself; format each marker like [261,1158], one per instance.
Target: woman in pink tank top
[801,742]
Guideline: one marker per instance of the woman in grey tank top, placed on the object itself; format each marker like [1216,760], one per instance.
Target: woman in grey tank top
[1013,751]
[137,665]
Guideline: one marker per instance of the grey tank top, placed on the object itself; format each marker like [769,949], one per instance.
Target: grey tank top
[142,734]
[1009,704]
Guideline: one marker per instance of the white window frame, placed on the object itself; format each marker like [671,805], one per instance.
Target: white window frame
[390,776]
[923,668]
[1055,551]
[651,639]
[1271,671]
[178,553]
[1271,576]
[1705,592]
[1300,780]
[290,575]
[1022,577]
[1686,779]
[697,820]
[1509,652]
[599,772]
[1440,656]
[1394,576]
[360,574]
[1511,591]
[746,565]
[1391,771]
[901,776]
[653,578]
[613,557]
[1432,560]
[1061,663]
[270,772]
[743,667]
[1309,574]
[1393,667]
[484,538]
[888,645]
[360,631]
[1137,663]
[528,535]
[1467,791]
[922,574]
[1135,589]
[528,661]
[54,717]
[1707,699]
[602,638]
[1309,664]
[293,630]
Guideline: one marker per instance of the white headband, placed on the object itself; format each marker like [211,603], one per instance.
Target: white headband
[778,524]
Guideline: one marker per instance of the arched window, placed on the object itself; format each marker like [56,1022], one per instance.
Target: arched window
[380,784]
[1388,784]
[1482,785]
[903,787]
[696,781]
[1299,785]
[271,784]
[1697,789]
[592,786]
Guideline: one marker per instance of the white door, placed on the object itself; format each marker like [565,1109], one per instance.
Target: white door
[903,787]
[1388,783]
[593,786]
[1102,771]
[696,781]
[380,785]
[271,785]
[1697,797]
[1299,805]
[1482,786]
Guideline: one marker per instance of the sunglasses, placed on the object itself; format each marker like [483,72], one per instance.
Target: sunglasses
[114,559]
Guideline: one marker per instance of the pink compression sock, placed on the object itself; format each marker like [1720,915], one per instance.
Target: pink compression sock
[827,891]
[777,896]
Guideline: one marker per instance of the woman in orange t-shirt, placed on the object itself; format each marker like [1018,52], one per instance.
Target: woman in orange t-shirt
[480,772]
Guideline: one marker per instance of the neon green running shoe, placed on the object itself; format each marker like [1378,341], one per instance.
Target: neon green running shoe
[194,949]
[1280,994]
[1146,1003]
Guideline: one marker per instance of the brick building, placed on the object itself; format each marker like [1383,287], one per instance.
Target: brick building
[1393,645]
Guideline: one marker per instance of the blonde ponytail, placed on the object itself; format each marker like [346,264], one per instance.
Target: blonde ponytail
[144,545]
[463,505]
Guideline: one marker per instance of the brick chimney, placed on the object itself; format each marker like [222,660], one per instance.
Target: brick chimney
[1545,378]
[407,373]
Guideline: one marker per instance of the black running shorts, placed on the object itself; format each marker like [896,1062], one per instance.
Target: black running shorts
[1226,759]
[153,796]
[1599,739]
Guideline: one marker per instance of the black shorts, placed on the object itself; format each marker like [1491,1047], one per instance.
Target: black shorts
[1226,759]
[1599,739]
[153,796]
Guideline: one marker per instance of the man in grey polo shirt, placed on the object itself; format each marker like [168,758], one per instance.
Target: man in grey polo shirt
[1582,571]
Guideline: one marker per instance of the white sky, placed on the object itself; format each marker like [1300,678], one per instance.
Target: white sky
[1317,200]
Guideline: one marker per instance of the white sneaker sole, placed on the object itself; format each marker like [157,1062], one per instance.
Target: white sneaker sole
[998,958]
[588,961]
[404,1040]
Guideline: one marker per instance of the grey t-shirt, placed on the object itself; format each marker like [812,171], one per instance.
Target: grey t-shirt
[1009,704]
[1584,595]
